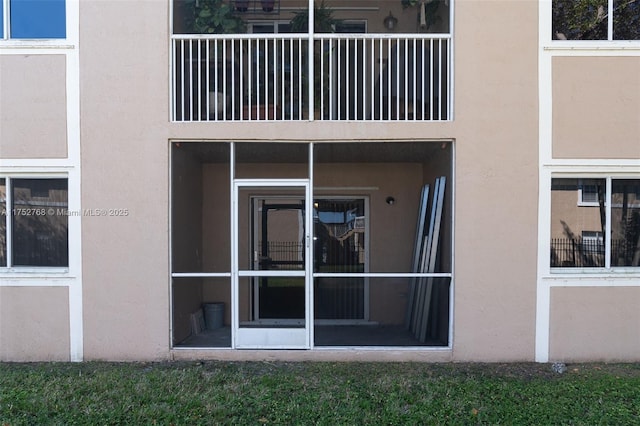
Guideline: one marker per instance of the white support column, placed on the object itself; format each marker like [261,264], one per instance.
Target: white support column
[543,303]
[545,134]
[76,336]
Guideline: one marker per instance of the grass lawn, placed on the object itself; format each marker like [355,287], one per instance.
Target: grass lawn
[255,393]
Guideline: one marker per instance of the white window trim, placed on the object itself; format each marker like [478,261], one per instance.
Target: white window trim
[274,23]
[573,277]
[69,167]
[556,167]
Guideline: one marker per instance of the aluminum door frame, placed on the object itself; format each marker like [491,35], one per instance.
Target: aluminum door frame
[276,337]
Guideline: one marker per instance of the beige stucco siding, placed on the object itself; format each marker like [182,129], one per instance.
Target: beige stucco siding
[34,324]
[496,189]
[590,324]
[124,89]
[33,109]
[596,107]
[125,134]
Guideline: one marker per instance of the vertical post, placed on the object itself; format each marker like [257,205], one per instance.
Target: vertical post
[234,243]
[6,22]
[199,83]
[250,68]
[310,78]
[207,65]
[182,83]
[8,217]
[309,312]
[190,80]
[610,18]
[607,227]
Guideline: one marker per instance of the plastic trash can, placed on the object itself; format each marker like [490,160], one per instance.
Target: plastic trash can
[214,315]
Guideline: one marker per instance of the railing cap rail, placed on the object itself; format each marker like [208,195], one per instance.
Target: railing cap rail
[287,36]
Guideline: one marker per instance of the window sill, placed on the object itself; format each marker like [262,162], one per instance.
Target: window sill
[34,272]
[594,45]
[594,276]
[35,44]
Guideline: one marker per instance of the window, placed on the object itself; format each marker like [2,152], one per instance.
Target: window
[596,19]
[589,191]
[595,234]
[33,228]
[32,19]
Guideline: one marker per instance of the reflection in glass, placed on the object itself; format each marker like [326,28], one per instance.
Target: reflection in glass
[40,219]
[271,229]
[278,233]
[579,20]
[3,223]
[577,222]
[339,246]
[206,17]
[339,235]
[626,20]
[625,222]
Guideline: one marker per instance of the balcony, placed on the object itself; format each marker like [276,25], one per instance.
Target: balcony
[354,77]
[270,70]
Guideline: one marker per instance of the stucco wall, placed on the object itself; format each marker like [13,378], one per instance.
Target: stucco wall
[125,129]
[591,324]
[34,324]
[124,90]
[496,132]
[596,107]
[33,108]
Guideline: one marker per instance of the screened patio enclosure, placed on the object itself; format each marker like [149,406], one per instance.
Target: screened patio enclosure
[302,246]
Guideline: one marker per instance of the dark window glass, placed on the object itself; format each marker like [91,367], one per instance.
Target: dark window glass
[40,222]
[589,20]
[579,19]
[626,20]
[625,222]
[3,223]
[38,19]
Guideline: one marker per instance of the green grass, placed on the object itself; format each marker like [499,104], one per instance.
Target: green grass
[256,393]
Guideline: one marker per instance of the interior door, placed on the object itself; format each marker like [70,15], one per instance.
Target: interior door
[271,278]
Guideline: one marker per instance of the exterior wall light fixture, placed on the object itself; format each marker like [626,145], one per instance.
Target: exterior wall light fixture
[390,22]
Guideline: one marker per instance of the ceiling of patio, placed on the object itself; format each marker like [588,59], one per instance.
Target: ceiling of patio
[335,152]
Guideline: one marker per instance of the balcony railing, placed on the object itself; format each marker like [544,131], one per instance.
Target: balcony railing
[582,252]
[266,77]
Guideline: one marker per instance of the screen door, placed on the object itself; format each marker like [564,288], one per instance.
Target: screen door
[271,278]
